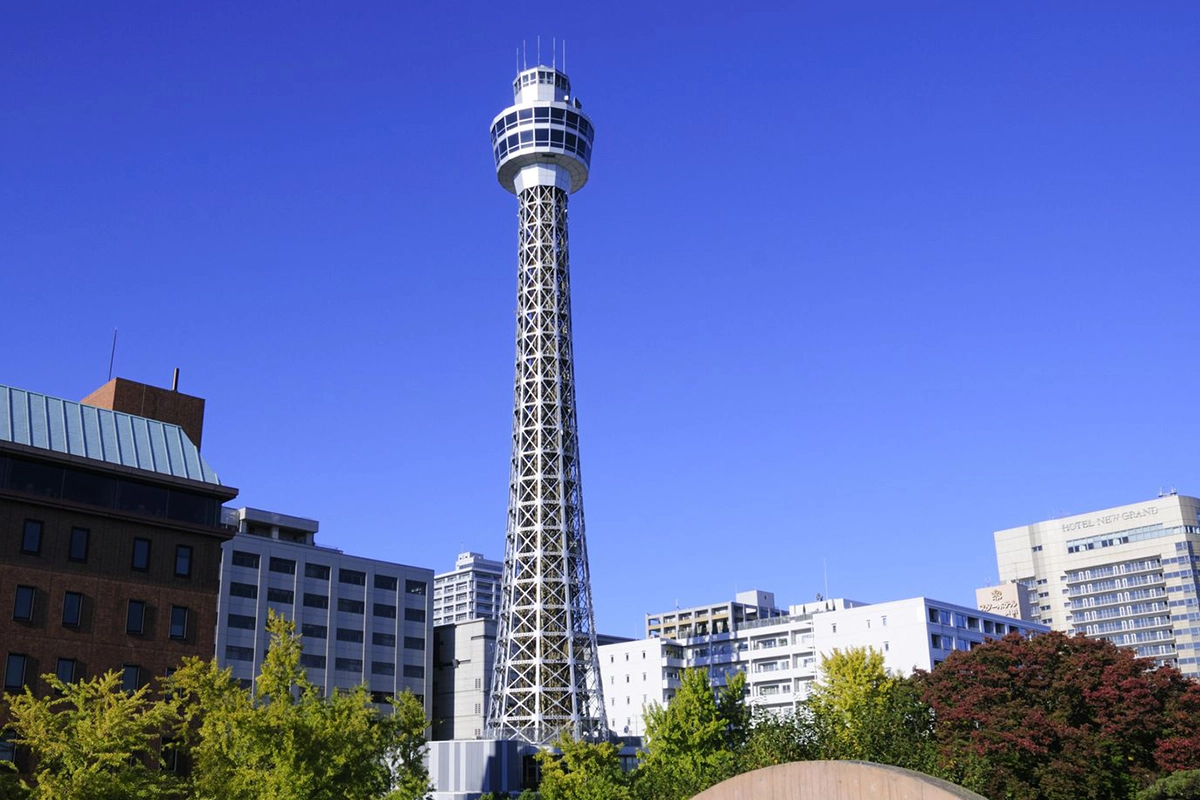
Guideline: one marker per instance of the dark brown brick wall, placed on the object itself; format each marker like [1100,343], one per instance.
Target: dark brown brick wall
[107,582]
[143,400]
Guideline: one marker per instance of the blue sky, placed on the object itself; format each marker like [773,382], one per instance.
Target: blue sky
[854,284]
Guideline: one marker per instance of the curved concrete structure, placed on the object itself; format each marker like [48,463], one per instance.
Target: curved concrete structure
[835,780]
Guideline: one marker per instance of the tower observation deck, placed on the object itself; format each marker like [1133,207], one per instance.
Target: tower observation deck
[546,679]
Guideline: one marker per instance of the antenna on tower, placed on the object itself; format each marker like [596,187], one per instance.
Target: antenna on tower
[554,53]
[518,60]
[524,56]
[539,42]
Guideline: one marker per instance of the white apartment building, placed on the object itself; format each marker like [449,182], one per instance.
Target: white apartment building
[361,621]
[1127,574]
[781,656]
[470,591]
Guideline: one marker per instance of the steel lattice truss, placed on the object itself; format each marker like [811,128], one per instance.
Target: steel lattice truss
[547,678]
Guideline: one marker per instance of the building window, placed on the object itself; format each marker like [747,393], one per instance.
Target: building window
[131,678]
[318,571]
[414,671]
[14,671]
[415,587]
[413,643]
[23,606]
[72,609]
[244,559]
[31,537]
[349,635]
[383,639]
[235,653]
[242,622]
[412,614]
[65,670]
[284,596]
[183,561]
[314,631]
[141,554]
[243,590]
[385,582]
[315,600]
[284,565]
[350,606]
[386,610]
[312,661]
[352,576]
[179,618]
[135,616]
[78,546]
[383,668]
[348,664]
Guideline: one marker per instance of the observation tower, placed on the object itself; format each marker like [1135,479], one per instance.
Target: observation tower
[546,677]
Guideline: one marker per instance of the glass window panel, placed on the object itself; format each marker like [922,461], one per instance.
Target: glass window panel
[312,661]
[414,643]
[385,610]
[383,668]
[237,589]
[383,639]
[557,114]
[386,582]
[179,618]
[183,561]
[277,595]
[415,587]
[524,114]
[72,609]
[34,478]
[244,559]
[142,498]
[414,614]
[141,554]
[242,622]
[23,606]
[14,671]
[318,571]
[78,550]
[31,537]
[352,576]
[90,488]
[349,635]
[135,616]
[65,670]
[284,565]
[315,600]
[131,678]
[350,606]
[314,631]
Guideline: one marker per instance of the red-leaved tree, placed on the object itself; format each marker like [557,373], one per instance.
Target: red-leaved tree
[1056,717]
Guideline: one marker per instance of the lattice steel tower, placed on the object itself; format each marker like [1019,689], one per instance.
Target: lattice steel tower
[547,678]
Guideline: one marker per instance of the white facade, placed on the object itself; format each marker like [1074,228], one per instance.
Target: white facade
[463,656]
[636,674]
[1127,574]
[361,621]
[470,591]
[781,656]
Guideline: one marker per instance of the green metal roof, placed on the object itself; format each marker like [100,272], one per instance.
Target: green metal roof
[70,428]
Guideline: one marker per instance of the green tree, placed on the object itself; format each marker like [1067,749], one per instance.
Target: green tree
[1176,786]
[1052,717]
[858,711]
[687,742]
[92,741]
[290,743]
[582,771]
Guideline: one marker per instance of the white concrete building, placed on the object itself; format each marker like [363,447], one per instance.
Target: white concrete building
[781,656]
[1127,574]
[463,656]
[470,591]
[361,621]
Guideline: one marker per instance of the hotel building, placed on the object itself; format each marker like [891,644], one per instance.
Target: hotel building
[1126,574]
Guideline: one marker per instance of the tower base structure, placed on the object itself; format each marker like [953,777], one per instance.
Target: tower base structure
[465,769]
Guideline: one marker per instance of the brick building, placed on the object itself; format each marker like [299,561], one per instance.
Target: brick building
[110,537]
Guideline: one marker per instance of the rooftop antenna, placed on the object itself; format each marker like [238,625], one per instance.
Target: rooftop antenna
[539,45]
[113,355]
[518,60]
[524,56]
[554,53]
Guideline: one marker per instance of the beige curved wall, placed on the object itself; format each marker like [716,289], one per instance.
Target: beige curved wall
[835,780]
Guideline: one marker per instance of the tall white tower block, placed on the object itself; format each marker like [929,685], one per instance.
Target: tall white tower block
[546,678]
